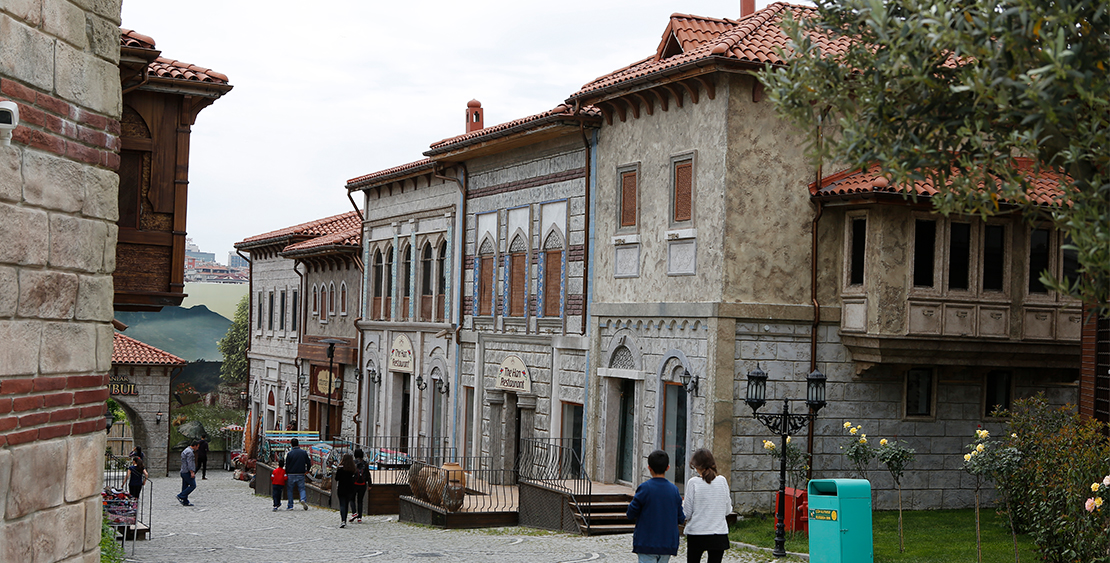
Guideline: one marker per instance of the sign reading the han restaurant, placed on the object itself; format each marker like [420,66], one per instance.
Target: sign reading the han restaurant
[513,376]
[400,355]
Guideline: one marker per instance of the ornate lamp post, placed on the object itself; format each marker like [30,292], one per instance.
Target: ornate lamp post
[784,424]
[331,342]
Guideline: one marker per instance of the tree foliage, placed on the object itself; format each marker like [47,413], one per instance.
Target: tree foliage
[950,90]
[234,345]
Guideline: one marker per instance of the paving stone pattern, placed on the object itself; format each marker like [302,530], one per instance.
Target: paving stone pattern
[230,523]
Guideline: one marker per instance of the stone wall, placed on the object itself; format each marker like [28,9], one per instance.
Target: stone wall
[153,396]
[58,207]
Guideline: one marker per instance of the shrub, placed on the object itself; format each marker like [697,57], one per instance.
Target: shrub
[797,461]
[858,449]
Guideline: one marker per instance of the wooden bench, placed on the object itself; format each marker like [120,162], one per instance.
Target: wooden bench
[287,435]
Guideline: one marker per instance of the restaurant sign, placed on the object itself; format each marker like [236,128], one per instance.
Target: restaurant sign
[513,376]
[119,385]
[400,355]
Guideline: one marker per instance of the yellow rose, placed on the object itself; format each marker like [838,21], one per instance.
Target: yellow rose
[847,424]
[788,439]
[967,457]
[854,430]
[979,448]
[863,440]
[1098,502]
[982,434]
[882,442]
[863,436]
[1094,487]
[974,453]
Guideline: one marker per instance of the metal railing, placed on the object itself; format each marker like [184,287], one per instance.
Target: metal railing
[556,463]
[481,492]
[390,456]
[124,512]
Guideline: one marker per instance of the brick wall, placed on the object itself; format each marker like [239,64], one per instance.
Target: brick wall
[58,208]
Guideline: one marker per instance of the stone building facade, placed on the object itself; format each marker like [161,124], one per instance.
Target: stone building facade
[140,383]
[409,356]
[58,63]
[524,280]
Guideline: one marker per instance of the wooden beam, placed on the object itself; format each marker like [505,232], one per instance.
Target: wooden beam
[632,105]
[649,105]
[710,87]
[676,93]
[661,96]
[606,112]
[757,91]
[692,91]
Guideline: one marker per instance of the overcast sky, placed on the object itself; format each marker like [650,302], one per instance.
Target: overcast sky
[329,90]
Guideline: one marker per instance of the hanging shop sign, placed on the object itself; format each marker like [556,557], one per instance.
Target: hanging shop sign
[400,355]
[119,385]
[326,380]
[513,376]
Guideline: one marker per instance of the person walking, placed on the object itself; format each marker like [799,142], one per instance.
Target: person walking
[707,504]
[345,486]
[277,482]
[188,473]
[657,511]
[136,476]
[362,481]
[297,464]
[202,457]
[137,451]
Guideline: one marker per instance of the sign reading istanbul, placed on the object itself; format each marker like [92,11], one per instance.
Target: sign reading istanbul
[119,385]
[400,355]
[513,376]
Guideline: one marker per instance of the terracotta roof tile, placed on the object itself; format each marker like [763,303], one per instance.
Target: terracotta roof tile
[351,237]
[561,111]
[390,173]
[169,68]
[848,183]
[311,229]
[132,38]
[127,350]
[751,41]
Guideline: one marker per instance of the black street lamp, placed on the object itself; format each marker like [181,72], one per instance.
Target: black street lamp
[784,424]
[331,342]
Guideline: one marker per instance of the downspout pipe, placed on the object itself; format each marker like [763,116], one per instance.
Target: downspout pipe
[355,205]
[300,336]
[813,294]
[586,239]
[361,382]
[460,180]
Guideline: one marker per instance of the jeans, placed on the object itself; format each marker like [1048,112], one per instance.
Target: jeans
[360,494]
[188,485]
[202,467]
[277,490]
[653,558]
[344,503]
[295,481]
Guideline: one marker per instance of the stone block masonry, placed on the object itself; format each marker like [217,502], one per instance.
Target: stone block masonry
[58,207]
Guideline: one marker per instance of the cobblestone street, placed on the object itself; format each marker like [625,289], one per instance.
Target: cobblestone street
[230,524]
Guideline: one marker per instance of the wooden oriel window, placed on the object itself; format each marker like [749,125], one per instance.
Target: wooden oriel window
[628,199]
[683,191]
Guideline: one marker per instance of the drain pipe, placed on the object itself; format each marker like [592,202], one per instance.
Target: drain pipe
[358,375]
[300,338]
[456,308]
[813,295]
[586,228]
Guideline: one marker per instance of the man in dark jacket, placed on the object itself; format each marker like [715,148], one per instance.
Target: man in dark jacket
[297,464]
[657,510]
[202,457]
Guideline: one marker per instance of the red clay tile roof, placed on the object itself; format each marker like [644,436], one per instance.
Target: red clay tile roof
[177,70]
[861,183]
[749,42]
[390,173]
[351,237]
[558,113]
[127,350]
[311,229]
[132,38]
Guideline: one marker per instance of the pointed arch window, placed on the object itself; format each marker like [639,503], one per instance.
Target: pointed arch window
[387,282]
[379,282]
[331,299]
[315,301]
[518,277]
[552,274]
[323,303]
[441,282]
[406,281]
[485,287]
[343,298]
[427,278]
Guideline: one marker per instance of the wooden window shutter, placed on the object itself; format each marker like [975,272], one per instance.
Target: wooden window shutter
[683,191]
[628,199]
[485,299]
[519,280]
[552,280]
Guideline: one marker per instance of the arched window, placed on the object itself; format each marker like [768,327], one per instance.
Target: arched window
[379,269]
[343,298]
[426,279]
[331,298]
[552,274]
[485,287]
[387,277]
[323,304]
[441,284]
[406,282]
[315,301]
[518,277]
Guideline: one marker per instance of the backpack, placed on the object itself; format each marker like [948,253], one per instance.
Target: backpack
[360,473]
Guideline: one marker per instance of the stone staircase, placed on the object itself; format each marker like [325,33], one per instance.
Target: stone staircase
[606,512]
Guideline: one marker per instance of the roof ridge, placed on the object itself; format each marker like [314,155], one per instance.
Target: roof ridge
[753,22]
[166,357]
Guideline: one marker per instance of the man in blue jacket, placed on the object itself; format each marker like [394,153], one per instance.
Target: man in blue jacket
[297,463]
[657,511]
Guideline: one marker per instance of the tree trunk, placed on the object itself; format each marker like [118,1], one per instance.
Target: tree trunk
[978,537]
[901,537]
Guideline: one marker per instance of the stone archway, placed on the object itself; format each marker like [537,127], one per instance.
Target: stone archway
[140,383]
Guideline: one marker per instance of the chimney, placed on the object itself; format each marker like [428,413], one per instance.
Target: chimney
[747,8]
[473,116]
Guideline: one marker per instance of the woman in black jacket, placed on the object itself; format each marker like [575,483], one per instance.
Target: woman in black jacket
[345,486]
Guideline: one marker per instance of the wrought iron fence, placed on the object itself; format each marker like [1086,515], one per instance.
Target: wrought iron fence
[479,488]
[390,456]
[124,512]
[556,463]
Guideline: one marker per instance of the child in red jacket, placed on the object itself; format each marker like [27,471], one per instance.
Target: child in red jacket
[277,479]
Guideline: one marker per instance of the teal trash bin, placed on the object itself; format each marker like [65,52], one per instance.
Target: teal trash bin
[840,521]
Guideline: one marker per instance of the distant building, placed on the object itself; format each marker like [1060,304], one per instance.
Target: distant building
[236,261]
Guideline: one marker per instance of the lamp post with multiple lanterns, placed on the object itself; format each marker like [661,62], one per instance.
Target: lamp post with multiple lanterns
[784,424]
[331,342]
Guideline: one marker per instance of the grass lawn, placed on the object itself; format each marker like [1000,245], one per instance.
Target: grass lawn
[932,536]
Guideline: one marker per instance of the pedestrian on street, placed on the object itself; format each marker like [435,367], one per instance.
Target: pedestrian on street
[345,486]
[137,451]
[297,464]
[657,511]
[136,476]
[202,457]
[707,504]
[188,473]
[362,481]
[277,482]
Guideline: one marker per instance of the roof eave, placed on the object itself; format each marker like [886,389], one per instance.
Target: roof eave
[717,63]
[165,85]
[385,179]
[511,137]
[321,251]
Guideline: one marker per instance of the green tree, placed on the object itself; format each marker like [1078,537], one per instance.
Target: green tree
[949,91]
[234,345]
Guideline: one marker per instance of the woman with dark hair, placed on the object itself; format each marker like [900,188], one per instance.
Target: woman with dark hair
[345,486]
[362,479]
[706,505]
[136,476]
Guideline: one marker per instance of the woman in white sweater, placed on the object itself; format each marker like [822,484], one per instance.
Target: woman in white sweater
[706,504]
